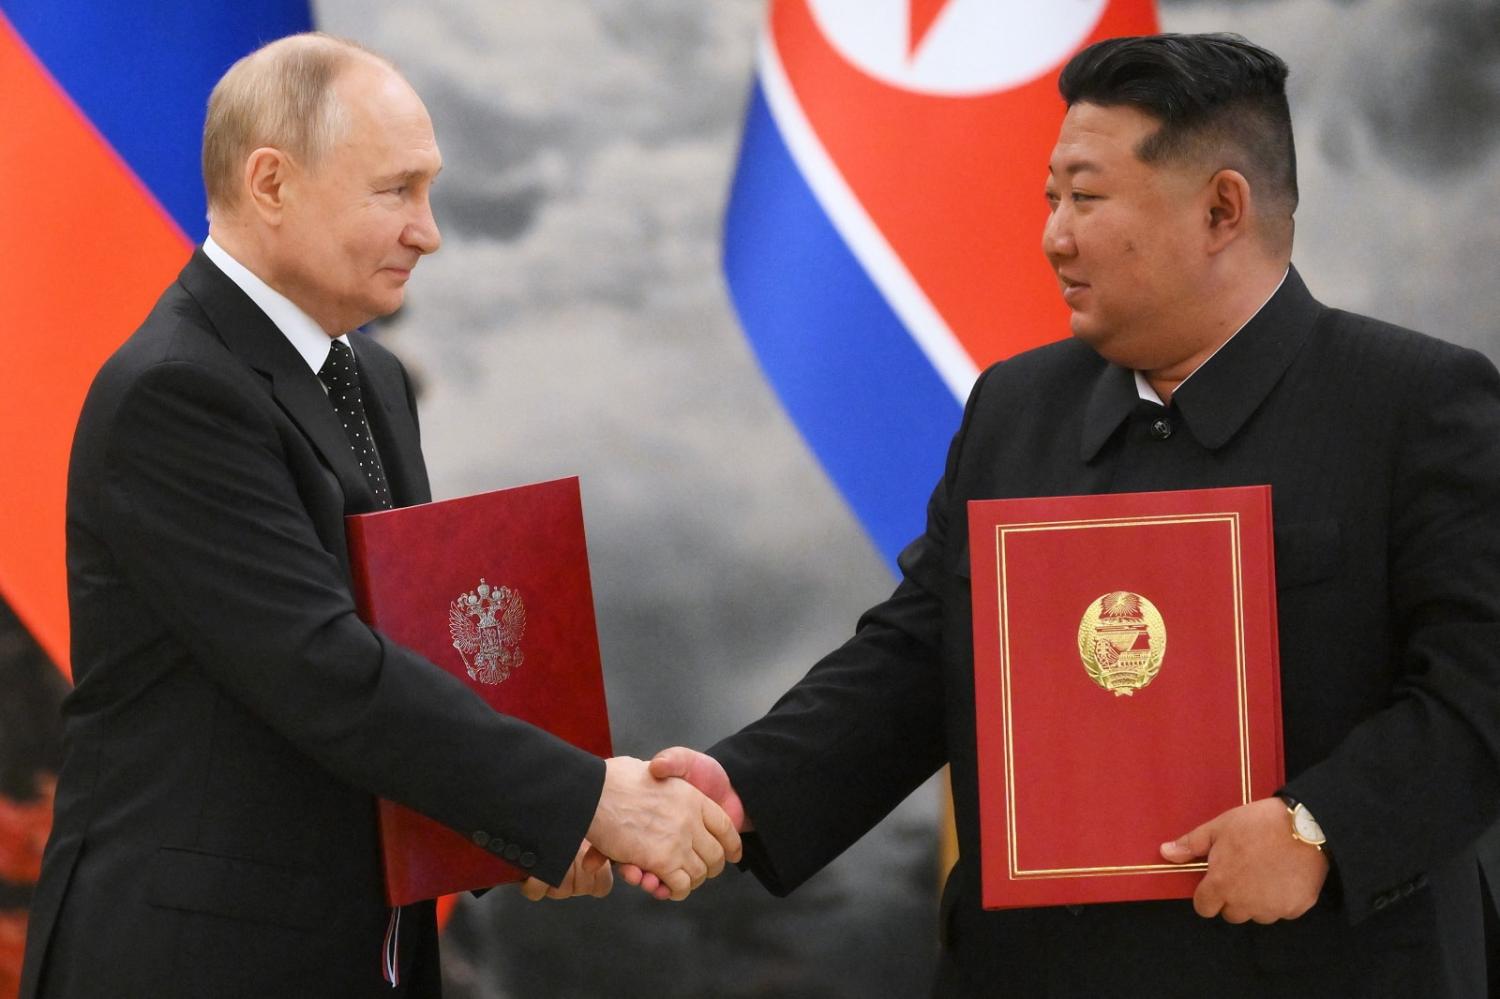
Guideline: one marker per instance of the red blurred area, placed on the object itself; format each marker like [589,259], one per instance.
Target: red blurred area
[23,834]
[12,943]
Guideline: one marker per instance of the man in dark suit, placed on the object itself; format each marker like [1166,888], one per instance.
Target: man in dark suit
[1199,359]
[233,721]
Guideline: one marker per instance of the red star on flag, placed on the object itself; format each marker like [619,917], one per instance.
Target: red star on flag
[922,14]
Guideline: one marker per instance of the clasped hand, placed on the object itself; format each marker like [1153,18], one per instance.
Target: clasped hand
[707,775]
[664,827]
[590,874]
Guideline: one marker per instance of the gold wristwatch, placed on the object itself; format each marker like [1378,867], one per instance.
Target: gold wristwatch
[1305,828]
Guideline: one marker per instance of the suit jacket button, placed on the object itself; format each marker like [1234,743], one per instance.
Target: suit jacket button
[1161,428]
[528,859]
[512,852]
[497,845]
[481,838]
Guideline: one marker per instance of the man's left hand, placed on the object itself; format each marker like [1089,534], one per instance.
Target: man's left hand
[591,874]
[1256,870]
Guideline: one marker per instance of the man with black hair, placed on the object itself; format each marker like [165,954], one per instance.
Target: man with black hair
[1198,359]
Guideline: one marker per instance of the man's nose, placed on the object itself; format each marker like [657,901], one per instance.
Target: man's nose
[1057,234]
[421,232]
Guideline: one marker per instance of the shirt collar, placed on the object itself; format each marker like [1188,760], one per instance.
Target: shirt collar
[1222,392]
[300,329]
[1145,391]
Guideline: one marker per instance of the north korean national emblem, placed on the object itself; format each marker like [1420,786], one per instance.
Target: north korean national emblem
[1122,640]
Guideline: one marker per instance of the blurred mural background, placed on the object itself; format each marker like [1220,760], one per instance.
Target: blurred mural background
[576,322]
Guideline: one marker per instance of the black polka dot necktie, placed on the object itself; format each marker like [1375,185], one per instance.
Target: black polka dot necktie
[339,375]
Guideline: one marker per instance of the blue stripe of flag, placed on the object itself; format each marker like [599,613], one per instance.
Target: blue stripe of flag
[864,396]
[142,72]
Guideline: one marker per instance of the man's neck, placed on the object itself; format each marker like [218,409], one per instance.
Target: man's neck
[245,248]
[1233,308]
[301,330]
[242,247]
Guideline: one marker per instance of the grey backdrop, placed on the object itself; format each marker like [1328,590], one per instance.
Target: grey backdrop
[575,322]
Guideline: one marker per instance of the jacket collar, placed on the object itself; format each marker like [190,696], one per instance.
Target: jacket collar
[251,335]
[1221,395]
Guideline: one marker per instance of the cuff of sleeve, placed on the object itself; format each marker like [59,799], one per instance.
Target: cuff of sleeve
[772,836]
[580,786]
[1343,888]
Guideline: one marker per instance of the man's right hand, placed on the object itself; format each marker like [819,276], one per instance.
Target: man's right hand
[707,775]
[665,828]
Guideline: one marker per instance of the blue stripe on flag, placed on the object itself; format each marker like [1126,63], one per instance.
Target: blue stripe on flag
[861,391]
[142,73]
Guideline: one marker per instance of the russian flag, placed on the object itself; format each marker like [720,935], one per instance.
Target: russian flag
[882,242]
[99,161]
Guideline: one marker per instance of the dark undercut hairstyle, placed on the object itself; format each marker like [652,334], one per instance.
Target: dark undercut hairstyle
[1219,98]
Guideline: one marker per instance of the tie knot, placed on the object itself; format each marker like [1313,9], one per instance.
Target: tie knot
[338,371]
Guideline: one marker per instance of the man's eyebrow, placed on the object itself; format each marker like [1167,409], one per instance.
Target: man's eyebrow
[1076,167]
[406,176]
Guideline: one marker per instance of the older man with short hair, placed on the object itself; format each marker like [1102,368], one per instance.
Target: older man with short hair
[233,721]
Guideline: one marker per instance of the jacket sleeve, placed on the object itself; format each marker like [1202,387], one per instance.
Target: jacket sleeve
[862,729]
[206,521]
[1418,781]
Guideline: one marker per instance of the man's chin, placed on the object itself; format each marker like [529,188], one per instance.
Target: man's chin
[387,303]
[1105,342]
[1085,328]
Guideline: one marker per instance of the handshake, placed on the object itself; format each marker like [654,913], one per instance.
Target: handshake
[670,824]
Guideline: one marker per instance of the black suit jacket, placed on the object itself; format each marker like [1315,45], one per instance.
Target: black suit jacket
[1382,448]
[233,720]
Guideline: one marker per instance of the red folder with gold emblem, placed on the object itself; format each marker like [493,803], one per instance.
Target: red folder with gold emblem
[1127,685]
[495,589]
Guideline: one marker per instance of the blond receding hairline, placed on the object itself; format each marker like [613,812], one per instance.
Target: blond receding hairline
[281,96]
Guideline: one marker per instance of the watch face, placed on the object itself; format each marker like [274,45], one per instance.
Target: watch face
[1306,826]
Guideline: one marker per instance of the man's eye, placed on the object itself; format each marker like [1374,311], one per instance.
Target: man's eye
[1080,196]
[1052,199]
[398,189]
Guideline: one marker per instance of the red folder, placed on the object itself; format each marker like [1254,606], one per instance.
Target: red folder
[493,588]
[1127,685]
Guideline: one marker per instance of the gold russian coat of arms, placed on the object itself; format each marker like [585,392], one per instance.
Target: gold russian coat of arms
[1121,640]
[487,624]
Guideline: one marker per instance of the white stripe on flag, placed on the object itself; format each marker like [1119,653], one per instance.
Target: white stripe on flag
[869,246]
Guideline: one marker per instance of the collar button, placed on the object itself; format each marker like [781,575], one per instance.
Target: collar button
[1161,428]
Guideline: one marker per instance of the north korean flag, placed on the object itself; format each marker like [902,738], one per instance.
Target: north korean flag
[882,241]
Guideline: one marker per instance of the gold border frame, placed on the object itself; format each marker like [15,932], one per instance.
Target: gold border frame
[1232,519]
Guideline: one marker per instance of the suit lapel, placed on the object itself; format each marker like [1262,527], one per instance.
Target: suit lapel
[253,337]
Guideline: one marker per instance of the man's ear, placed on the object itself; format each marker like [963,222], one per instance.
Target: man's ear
[1228,195]
[267,172]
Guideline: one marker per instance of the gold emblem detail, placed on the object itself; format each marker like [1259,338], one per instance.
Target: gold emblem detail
[1122,639]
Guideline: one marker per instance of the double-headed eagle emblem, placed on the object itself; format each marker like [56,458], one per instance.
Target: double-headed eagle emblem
[1122,639]
[487,624]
